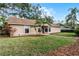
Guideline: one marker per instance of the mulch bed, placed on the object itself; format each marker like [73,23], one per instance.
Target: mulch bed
[72,50]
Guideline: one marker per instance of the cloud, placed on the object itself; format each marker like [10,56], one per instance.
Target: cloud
[47,11]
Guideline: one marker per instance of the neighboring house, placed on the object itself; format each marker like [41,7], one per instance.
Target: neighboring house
[29,27]
[66,29]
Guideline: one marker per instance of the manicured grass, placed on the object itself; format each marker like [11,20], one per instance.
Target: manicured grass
[32,45]
[66,34]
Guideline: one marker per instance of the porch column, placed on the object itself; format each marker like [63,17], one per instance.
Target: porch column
[48,29]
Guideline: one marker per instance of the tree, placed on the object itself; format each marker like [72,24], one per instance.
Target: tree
[2,14]
[71,18]
[49,19]
[25,10]
[46,19]
[2,21]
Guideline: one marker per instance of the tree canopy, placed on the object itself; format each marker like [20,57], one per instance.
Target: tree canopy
[26,10]
[71,19]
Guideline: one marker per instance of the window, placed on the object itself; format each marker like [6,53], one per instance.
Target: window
[26,30]
[49,29]
[46,29]
[39,30]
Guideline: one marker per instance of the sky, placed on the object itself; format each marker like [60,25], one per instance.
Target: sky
[58,10]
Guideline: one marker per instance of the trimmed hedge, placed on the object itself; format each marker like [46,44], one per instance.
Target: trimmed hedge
[67,30]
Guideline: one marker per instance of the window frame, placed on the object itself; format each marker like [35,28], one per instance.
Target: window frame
[26,30]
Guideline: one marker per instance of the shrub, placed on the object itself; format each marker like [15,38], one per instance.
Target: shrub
[65,30]
[77,31]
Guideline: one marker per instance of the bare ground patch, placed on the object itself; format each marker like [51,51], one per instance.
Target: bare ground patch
[72,50]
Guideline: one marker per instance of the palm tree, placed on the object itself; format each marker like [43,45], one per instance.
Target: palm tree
[71,19]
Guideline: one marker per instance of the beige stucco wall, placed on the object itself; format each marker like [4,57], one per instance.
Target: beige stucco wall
[20,30]
[55,30]
[34,31]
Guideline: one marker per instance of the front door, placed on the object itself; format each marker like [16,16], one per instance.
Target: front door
[44,29]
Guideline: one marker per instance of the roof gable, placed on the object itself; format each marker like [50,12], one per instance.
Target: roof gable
[19,21]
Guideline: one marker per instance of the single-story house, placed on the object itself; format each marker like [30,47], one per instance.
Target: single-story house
[66,29]
[20,26]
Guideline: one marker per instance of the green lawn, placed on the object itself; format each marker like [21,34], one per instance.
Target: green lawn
[66,34]
[32,45]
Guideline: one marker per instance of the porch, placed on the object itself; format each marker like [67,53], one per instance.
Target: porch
[44,30]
